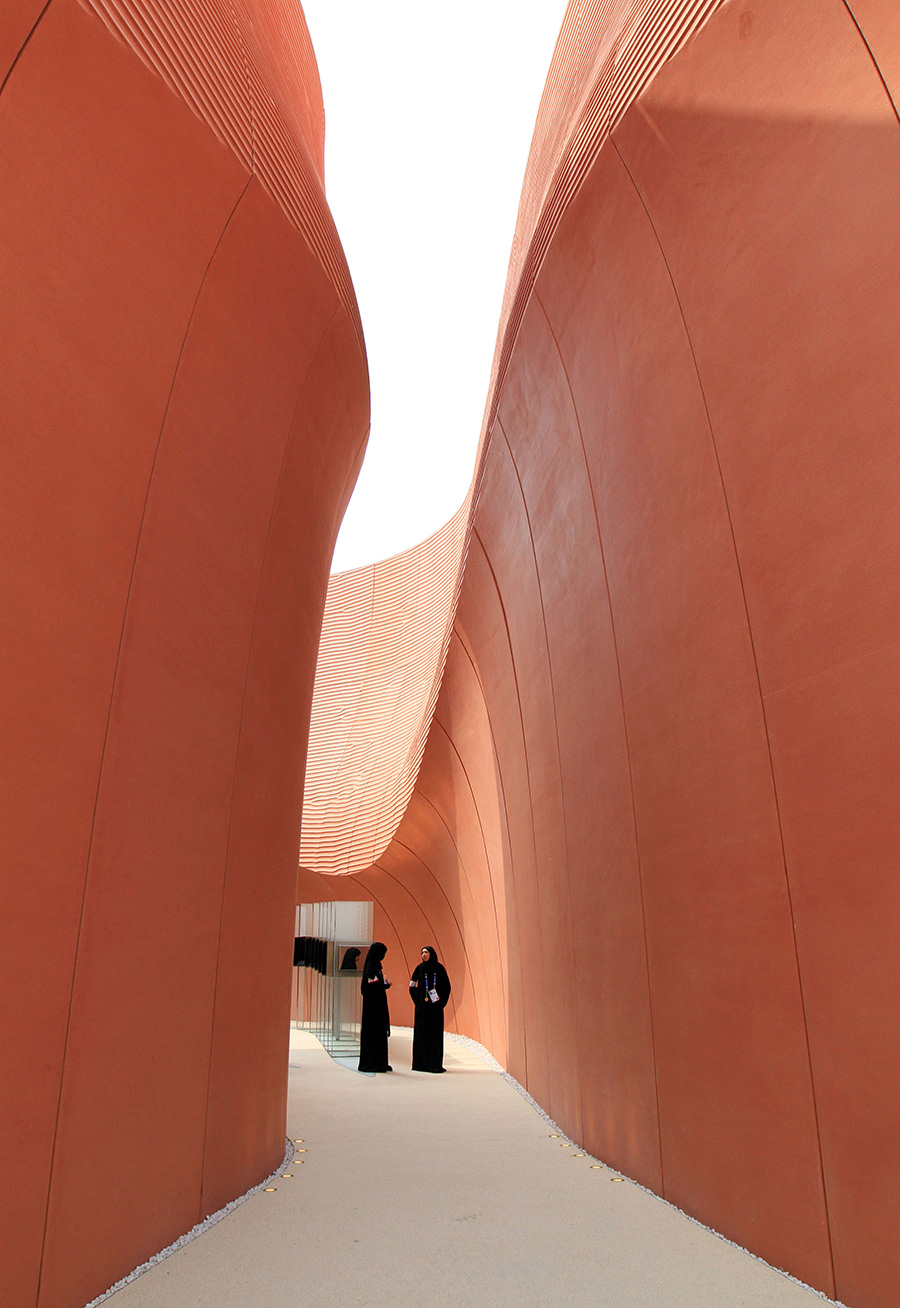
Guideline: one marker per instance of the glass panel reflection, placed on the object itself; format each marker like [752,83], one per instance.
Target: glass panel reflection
[330,945]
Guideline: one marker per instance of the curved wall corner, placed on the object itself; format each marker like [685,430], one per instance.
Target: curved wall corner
[384,641]
[185,405]
[655,830]
[387,627]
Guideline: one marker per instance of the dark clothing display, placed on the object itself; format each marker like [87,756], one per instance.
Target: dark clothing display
[429,979]
[351,960]
[375,1026]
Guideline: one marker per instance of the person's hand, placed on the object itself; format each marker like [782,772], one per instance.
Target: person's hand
[413,985]
[387,984]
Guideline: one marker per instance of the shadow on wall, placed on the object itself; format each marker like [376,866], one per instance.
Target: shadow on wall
[659,793]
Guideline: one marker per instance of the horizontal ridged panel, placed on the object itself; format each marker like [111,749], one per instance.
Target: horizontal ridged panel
[605,55]
[387,628]
[248,70]
[384,642]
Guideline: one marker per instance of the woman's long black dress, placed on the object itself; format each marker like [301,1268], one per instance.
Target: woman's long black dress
[375,1026]
[428,1031]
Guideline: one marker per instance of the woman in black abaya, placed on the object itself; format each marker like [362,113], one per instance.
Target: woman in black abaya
[430,990]
[375,1026]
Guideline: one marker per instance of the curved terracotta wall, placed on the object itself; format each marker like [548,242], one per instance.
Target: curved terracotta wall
[185,402]
[655,830]
[387,627]
[605,54]
[384,641]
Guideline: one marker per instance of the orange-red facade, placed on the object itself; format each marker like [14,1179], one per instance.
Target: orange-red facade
[384,639]
[654,836]
[654,833]
[185,403]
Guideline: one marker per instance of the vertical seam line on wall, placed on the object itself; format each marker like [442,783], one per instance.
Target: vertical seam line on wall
[505,829]
[484,843]
[21,50]
[559,771]
[112,695]
[627,743]
[355,467]
[380,904]
[762,703]
[237,745]
[512,660]
[478,814]
[386,872]
[440,886]
[482,1027]
[875,64]
[428,926]
[327,804]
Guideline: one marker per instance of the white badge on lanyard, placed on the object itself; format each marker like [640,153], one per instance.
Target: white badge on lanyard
[432,992]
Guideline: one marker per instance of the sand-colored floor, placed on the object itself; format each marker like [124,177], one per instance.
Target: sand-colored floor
[447,1191]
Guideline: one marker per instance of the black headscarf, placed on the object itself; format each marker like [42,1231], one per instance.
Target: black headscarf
[372,965]
[432,973]
[350,962]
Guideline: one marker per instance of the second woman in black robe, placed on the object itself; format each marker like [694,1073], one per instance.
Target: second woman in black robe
[429,990]
[375,1026]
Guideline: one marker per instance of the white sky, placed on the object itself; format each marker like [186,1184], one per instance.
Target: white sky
[429,112]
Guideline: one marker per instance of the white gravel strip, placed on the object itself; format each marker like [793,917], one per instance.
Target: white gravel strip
[195,1230]
[487,1057]
[479,1051]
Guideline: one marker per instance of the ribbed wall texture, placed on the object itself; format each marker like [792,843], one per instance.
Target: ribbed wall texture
[384,642]
[183,406]
[655,831]
[605,53]
[248,70]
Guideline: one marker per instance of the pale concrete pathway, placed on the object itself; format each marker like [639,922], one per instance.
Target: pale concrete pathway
[447,1191]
